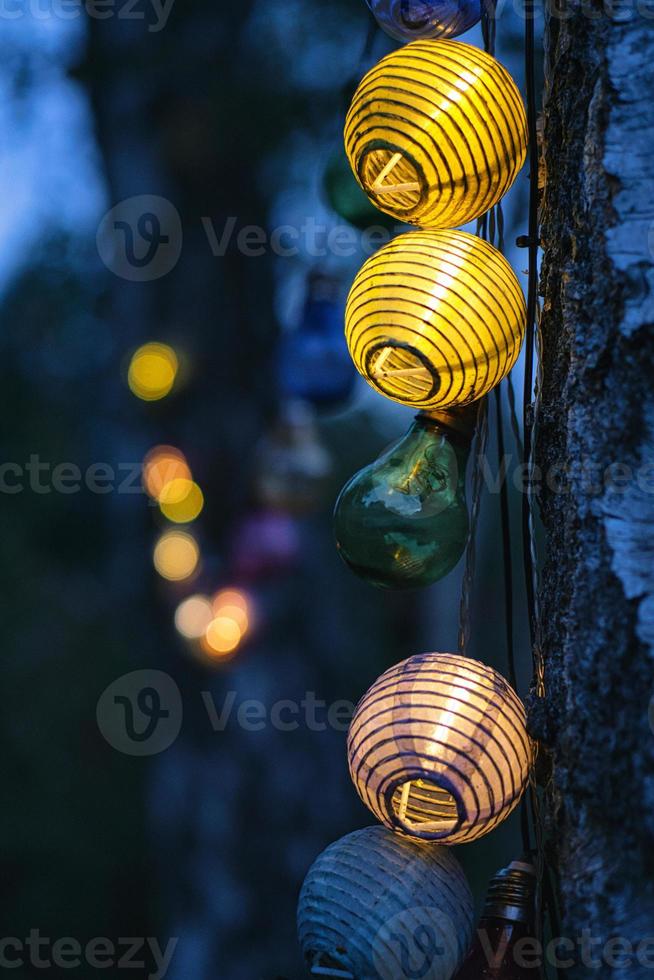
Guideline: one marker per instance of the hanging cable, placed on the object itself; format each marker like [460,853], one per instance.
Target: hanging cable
[471,554]
[532,300]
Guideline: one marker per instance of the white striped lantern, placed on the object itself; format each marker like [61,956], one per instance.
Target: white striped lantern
[376,906]
[438,748]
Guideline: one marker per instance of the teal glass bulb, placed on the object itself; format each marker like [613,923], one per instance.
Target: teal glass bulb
[402,523]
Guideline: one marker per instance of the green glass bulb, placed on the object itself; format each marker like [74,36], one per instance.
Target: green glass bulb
[402,522]
[346,198]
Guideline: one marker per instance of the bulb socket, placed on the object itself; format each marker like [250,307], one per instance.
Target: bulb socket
[460,424]
[511,893]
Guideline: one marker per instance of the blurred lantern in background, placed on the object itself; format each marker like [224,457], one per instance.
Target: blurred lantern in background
[217,627]
[346,198]
[152,371]
[229,626]
[234,604]
[291,465]
[409,20]
[403,522]
[161,466]
[193,616]
[181,501]
[313,360]
[176,556]
[265,543]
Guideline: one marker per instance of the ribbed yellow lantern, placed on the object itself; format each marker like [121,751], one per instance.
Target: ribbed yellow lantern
[438,748]
[435,319]
[436,133]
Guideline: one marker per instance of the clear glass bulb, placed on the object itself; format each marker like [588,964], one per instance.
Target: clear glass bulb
[402,522]
[408,20]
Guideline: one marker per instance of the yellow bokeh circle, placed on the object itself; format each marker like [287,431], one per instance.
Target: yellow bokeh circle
[176,556]
[181,501]
[223,636]
[152,371]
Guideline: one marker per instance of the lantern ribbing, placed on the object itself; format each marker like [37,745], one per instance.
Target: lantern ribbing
[438,748]
[368,896]
[435,319]
[436,133]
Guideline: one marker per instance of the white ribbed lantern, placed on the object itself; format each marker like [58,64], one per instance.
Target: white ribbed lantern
[438,748]
[376,906]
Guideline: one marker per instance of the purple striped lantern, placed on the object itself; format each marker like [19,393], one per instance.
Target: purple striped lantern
[376,906]
[438,748]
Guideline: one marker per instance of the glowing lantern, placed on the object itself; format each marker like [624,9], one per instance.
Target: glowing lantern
[374,902]
[436,133]
[152,371]
[435,319]
[176,556]
[438,748]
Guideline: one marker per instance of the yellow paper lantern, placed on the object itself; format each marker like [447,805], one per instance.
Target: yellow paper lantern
[436,133]
[435,319]
[438,748]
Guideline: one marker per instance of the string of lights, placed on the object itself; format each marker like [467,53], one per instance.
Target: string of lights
[435,135]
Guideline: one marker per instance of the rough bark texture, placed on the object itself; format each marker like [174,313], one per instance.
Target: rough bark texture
[598,411]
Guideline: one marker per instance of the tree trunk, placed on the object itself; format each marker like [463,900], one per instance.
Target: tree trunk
[596,422]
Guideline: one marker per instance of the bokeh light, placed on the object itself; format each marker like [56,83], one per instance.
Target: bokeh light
[162,465]
[181,501]
[222,637]
[193,617]
[176,555]
[235,605]
[152,371]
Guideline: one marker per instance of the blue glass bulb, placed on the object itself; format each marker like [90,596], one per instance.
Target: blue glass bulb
[314,364]
[410,20]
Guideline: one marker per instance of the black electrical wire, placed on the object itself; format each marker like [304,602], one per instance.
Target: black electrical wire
[508,584]
[532,300]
